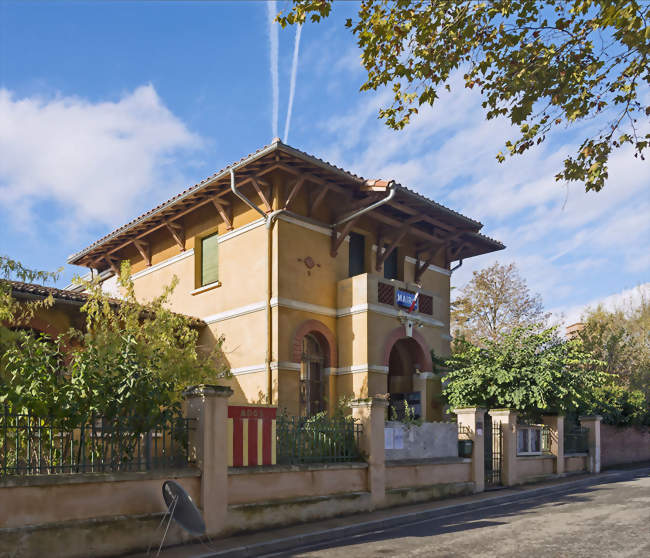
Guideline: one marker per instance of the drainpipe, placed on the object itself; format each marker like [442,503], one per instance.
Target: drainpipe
[392,190]
[269,220]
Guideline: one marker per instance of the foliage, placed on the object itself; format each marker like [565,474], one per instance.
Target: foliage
[12,312]
[322,437]
[130,363]
[528,370]
[407,417]
[494,302]
[618,405]
[543,64]
[621,338]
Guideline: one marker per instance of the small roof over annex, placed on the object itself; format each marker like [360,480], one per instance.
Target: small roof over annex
[428,221]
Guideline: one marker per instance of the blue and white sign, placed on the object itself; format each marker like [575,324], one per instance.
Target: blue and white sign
[405,299]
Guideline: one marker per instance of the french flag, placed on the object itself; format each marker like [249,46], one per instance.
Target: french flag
[414,303]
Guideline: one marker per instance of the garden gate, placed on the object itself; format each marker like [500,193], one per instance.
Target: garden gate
[493,444]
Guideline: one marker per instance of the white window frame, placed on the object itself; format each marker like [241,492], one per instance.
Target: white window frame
[537,430]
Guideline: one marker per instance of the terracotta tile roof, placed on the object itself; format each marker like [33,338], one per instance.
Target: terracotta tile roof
[276,145]
[29,290]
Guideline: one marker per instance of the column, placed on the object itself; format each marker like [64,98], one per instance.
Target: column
[508,420]
[473,419]
[371,414]
[593,424]
[208,405]
[556,426]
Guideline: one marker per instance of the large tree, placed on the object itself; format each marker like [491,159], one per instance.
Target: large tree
[529,371]
[621,338]
[542,64]
[493,303]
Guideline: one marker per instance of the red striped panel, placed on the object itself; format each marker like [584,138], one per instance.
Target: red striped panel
[252,442]
[238,443]
[266,442]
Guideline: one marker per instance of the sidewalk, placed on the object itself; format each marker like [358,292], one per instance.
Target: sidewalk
[276,540]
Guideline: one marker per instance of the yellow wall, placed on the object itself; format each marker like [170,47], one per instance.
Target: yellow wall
[236,307]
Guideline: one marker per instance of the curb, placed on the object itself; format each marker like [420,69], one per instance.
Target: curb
[338,533]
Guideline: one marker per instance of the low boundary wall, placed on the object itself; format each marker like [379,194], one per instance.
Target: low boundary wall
[627,444]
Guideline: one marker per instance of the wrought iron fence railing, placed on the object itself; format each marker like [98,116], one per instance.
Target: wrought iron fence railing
[33,445]
[576,440]
[318,439]
[546,439]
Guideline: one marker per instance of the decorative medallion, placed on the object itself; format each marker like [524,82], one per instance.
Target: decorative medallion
[309,263]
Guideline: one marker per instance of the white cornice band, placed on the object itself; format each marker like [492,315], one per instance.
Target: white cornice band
[295,367]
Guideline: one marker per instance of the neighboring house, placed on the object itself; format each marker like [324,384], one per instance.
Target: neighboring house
[309,272]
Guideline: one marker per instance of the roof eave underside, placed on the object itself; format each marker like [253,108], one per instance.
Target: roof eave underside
[269,158]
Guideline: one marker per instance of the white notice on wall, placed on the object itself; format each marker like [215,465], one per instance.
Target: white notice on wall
[388,438]
[398,439]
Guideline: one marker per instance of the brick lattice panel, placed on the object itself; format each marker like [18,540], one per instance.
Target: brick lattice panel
[386,293]
[426,304]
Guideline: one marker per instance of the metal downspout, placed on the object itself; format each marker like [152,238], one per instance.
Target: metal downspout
[392,187]
[269,219]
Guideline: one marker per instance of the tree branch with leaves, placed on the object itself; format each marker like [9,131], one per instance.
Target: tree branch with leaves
[542,64]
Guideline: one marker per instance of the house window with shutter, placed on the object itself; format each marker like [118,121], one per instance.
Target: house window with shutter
[390,266]
[209,260]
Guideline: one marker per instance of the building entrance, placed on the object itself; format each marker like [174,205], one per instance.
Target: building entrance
[403,365]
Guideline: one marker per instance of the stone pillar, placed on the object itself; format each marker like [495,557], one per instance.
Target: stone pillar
[556,426]
[371,414]
[423,382]
[508,420]
[474,419]
[208,405]
[593,424]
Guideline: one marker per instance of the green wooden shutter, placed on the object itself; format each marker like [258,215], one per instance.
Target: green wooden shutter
[209,260]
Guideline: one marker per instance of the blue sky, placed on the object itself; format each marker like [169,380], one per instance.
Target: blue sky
[108,108]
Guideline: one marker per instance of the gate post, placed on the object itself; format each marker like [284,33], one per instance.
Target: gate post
[208,406]
[508,421]
[593,424]
[371,414]
[473,418]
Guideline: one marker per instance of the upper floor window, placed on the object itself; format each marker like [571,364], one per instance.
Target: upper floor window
[390,265]
[209,260]
[357,264]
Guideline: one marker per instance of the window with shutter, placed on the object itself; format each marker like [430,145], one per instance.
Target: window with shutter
[209,260]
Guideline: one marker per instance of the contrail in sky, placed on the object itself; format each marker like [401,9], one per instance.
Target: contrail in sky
[271,10]
[292,87]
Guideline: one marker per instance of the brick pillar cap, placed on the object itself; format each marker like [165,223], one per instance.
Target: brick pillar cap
[468,410]
[376,401]
[207,390]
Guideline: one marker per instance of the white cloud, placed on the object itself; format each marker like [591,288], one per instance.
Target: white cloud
[624,300]
[558,235]
[97,160]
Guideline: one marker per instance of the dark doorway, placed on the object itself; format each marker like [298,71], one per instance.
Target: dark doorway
[405,358]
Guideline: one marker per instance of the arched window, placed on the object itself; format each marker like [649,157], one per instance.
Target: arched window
[311,376]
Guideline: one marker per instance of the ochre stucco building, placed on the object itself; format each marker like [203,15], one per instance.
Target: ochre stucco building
[309,272]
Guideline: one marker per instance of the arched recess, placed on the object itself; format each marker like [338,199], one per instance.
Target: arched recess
[324,336]
[424,354]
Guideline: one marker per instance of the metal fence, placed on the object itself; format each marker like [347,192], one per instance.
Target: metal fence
[32,445]
[319,439]
[576,440]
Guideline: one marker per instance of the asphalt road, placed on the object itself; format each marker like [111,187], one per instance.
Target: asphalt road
[610,518]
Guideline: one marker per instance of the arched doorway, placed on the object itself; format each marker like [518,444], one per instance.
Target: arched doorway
[404,362]
[312,388]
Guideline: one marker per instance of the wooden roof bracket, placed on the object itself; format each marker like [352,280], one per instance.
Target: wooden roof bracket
[177,232]
[145,250]
[257,184]
[294,191]
[339,237]
[224,211]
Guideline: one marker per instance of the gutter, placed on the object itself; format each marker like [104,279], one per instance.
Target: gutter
[392,190]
